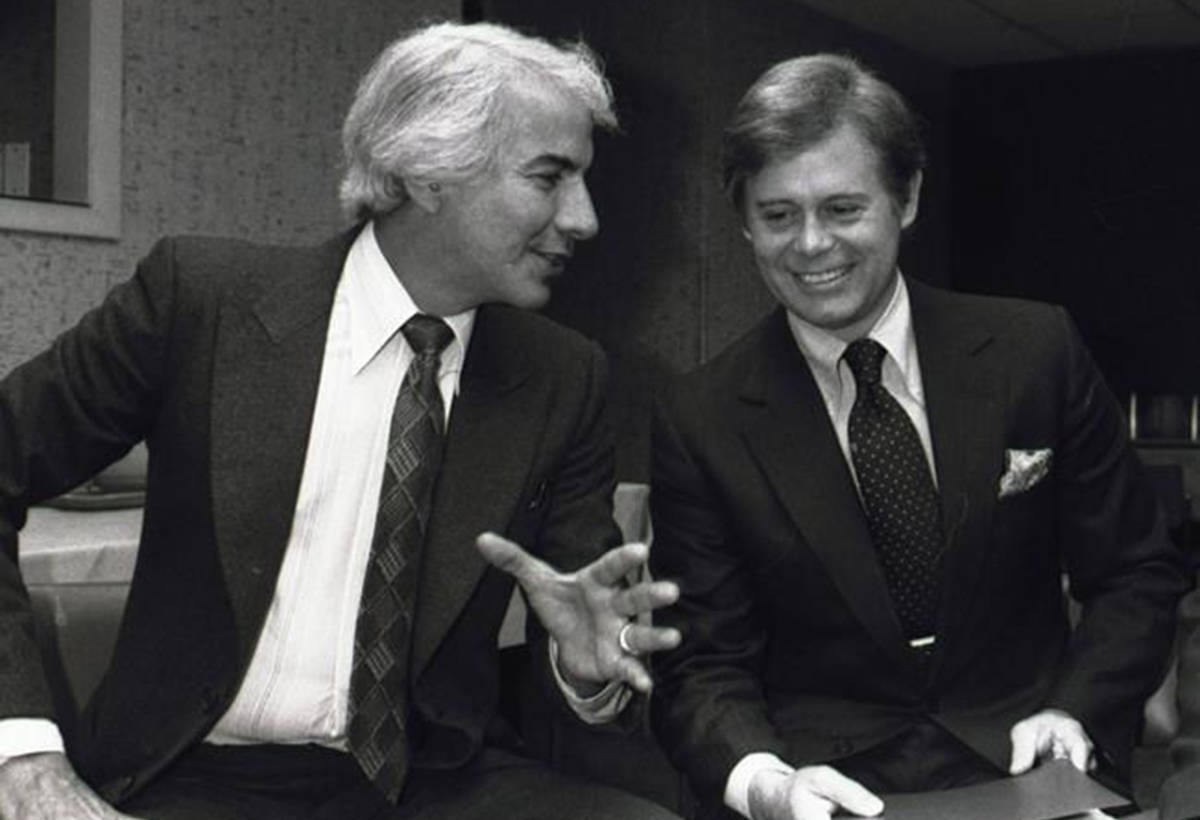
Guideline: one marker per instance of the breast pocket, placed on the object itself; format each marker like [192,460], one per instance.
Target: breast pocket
[530,515]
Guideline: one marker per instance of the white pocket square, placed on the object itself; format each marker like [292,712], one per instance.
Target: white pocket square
[1023,469]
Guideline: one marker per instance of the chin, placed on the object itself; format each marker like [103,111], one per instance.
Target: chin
[531,300]
[831,321]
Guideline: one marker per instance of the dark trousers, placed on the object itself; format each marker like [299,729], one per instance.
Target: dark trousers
[272,782]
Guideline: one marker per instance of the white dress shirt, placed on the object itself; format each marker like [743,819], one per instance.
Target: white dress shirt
[297,687]
[901,377]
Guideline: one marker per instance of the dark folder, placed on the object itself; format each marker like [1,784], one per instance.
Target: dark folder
[1053,790]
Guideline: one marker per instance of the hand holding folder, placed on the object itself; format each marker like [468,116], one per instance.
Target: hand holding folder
[1055,790]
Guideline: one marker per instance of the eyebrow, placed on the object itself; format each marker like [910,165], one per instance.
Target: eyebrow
[786,200]
[559,161]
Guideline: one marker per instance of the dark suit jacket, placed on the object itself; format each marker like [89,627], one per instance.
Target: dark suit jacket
[790,644]
[212,352]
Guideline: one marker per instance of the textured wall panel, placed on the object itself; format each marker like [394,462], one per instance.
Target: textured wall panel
[230,128]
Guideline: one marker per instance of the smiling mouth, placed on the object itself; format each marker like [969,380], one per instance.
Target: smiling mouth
[823,277]
[558,261]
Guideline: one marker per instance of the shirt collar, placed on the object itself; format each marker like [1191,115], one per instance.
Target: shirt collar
[378,306]
[893,329]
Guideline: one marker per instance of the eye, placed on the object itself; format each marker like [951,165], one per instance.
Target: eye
[777,218]
[547,180]
[845,211]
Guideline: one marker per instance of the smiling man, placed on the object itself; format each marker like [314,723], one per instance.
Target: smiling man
[868,501]
[342,441]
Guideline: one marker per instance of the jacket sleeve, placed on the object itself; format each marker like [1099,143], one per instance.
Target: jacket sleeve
[709,710]
[1122,566]
[64,415]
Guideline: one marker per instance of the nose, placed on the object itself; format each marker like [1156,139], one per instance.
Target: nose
[813,238]
[576,217]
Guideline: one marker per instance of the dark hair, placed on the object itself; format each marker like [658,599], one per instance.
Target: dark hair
[797,103]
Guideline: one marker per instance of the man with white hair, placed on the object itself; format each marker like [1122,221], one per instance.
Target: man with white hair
[341,439]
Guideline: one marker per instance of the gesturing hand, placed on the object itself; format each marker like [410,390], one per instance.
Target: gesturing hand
[588,611]
[810,793]
[45,787]
[1050,733]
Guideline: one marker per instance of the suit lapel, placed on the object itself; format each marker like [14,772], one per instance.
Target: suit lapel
[266,373]
[493,429]
[788,431]
[963,381]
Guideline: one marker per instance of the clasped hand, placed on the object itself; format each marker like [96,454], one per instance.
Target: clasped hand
[588,611]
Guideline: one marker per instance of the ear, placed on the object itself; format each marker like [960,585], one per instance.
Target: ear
[427,195]
[908,213]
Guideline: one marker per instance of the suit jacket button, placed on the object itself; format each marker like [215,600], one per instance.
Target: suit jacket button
[843,747]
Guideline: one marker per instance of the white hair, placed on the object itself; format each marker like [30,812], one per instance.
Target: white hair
[431,106]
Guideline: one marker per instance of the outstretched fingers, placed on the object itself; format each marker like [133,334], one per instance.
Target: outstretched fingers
[634,672]
[508,556]
[611,568]
[641,639]
[645,597]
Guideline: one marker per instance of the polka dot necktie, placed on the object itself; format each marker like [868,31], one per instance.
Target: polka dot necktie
[901,503]
[377,731]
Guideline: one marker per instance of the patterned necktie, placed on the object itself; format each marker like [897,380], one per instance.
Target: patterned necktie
[378,680]
[902,506]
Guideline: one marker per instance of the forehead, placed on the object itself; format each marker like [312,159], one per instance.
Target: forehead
[841,163]
[543,122]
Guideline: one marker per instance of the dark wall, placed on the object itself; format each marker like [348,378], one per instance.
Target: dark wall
[670,271]
[669,281]
[1078,182]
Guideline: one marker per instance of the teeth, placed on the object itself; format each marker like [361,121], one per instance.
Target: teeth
[821,277]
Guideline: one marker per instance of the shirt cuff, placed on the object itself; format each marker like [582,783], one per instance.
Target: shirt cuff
[737,787]
[602,707]
[26,736]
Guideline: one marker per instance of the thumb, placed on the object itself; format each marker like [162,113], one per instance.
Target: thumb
[508,556]
[1024,748]
[847,793]
[1081,756]
[1078,750]
[856,799]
